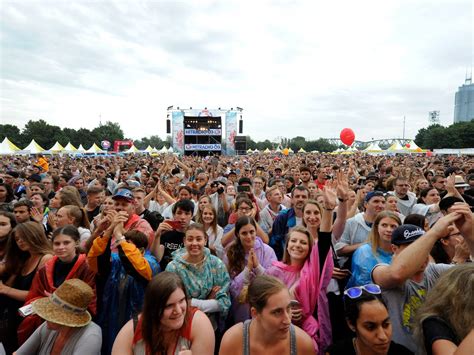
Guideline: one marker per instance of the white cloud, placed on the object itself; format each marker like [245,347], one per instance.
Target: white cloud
[297,68]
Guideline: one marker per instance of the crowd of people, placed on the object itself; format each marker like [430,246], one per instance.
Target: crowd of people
[299,254]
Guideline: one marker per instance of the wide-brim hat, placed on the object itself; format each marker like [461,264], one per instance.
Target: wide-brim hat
[67,305]
[459,182]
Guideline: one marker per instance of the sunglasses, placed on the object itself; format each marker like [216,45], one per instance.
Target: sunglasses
[356,292]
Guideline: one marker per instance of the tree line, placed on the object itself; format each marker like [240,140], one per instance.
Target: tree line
[457,135]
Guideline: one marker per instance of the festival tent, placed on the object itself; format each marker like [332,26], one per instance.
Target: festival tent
[148,149]
[163,150]
[132,150]
[414,148]
[7,147]
[373,148]
[69,148]
[290,150]
[301,150]
[249,151]
[353,149]
[266,151]
[395,147]
[56,148]
[33,148]
[170,149]
[256,151]
[81,149]
[94,149]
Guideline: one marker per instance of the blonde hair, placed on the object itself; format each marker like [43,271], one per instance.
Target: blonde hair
[374,236]
[452,300]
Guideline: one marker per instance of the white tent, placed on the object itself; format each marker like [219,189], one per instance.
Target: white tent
[94,149]
[69,148]
[373,148]
[149,149]
[170,149]
[56,148]
[81,149]
[7,147]
[249,151]
[163,150]
[132,150]
[256,150]
[301,150]
[290,150]
[33,148]
[395,147]
[266,151]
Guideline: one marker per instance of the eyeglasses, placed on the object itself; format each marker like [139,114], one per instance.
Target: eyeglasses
[356,292]
[244,209]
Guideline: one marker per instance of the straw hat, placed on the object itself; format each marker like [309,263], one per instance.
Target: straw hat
[67,305]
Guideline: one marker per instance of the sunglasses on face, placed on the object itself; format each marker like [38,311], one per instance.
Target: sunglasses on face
[356,292]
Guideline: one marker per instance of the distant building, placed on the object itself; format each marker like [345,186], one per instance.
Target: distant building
[464,102]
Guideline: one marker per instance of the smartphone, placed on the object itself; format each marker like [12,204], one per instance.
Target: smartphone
[174,224]
[25,311]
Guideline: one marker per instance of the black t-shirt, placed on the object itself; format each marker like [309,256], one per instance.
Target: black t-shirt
[172,240]
[92,214]
[436,328]
[153,218]
[346,347]
[61,270]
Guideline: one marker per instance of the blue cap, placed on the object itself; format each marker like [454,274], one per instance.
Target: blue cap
[373,194]
[123,194]
[406,233]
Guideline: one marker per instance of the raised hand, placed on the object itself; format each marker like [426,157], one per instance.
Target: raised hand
[330,195]
[36,214]
[342,185]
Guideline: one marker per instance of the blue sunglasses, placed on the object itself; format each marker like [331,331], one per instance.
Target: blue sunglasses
[356,292]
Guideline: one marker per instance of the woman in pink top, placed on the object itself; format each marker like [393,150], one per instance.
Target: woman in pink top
[307,268]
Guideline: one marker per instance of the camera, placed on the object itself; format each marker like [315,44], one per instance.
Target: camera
[220,190]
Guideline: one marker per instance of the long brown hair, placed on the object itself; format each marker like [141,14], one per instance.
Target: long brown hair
[236,252]
[69,196]
[32,234]
[452,300]
[214,222]
[157,293]
[286,256]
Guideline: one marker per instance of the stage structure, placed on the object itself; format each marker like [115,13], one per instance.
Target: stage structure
[203,131]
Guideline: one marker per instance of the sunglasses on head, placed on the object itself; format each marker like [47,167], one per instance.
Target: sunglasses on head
[356,292]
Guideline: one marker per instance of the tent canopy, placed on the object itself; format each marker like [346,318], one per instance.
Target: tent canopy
[33,148]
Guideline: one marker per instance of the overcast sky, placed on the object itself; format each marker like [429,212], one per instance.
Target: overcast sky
[307,68]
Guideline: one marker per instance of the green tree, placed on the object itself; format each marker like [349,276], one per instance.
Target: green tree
[110,131]
[11,132]
[42,132]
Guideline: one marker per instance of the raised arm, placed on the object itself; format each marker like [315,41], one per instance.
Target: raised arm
[412,258]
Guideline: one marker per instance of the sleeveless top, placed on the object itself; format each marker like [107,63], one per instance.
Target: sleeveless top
[246,339]
[184,339]
[24,282]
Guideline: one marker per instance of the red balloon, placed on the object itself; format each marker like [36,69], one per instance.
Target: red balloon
[407,145]
[429,154]
[347,136]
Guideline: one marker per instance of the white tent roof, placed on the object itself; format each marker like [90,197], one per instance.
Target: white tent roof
[170,149]
[373,147]
[395,146]
[163,150]
[352,149]
[266,151]
[69,147]
[7,147]
[81,149]
[301,150]
[132,149]
[56,147]
[94,149]
[33,148]
[413,146]
[149,149]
